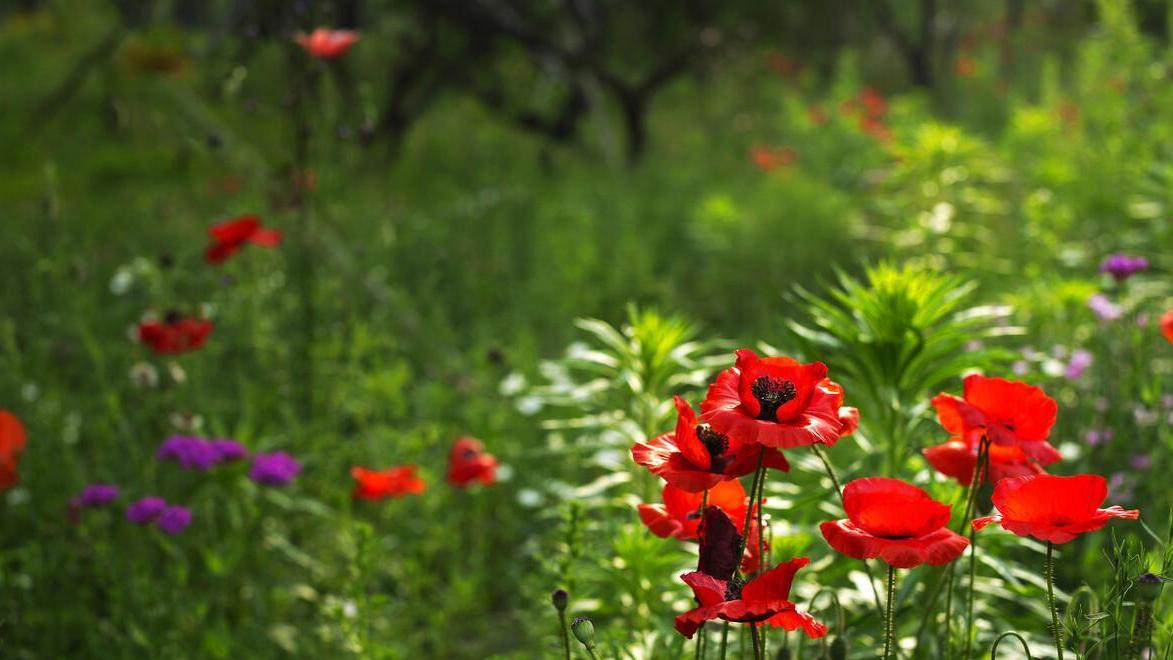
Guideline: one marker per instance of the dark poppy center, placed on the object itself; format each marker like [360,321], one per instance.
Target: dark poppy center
[772,394]
[716,444]
[171,317]
[733,588]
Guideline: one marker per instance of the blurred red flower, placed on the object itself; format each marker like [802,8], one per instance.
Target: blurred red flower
[768,159]
[895,521]
[817,115]
[1167,325]
[680,514]
[958,458]
[375,485]
[231,235]
[964,66]
[696,457]
[763,598]
[468,463]
[174,334]
[1053,508]
[1007,412]
[777,402]
[327,44]
[12,441]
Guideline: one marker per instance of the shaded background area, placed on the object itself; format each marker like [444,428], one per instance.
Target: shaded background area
[479,175]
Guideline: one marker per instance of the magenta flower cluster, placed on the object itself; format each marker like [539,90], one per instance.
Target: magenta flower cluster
[194,453]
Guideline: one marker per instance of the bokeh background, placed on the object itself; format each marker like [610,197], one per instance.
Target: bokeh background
[459,190]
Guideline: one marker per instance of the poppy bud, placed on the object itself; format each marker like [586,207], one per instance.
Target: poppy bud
[584,631]
[560,597]
[838,650]
[1148,587]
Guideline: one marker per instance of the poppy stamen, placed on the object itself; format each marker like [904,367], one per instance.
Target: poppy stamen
[716,444]
[733,588]
[772,394]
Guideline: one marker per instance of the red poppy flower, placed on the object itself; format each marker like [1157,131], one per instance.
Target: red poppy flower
[174,334]
[895,521]
[231,235]
[777,402]
[12,441]
[327,44]
[380,484]
[958,458]
[1167,325]
[1008,412]
[680,514]
[764,598]
[1053,508]
[468,463]
[696,457]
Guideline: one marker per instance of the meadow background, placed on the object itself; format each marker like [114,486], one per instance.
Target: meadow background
[500,240]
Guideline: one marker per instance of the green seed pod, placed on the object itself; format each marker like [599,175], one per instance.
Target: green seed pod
[1148,587]
[584,631]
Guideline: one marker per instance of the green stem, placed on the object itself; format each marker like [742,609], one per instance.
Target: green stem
[1049,569]
[997,642]
[565,635]
[757,646]
[890,613]
[818,449]
[758,476]
[724,639]
[591,652]
[761,499]
[970,504]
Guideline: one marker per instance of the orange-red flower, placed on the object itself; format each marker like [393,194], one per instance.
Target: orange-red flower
[1007,412]
[680,514]
[174,334]
[768,159]
[1167,325]
[777,402]
[895,521]
[381,484]
[763,598]
[231,235]
[327,44]
[468,463]
[958,458]
[696,457]
[1053,508]
[12,441]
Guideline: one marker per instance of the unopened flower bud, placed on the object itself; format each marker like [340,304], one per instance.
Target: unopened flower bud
[1148,587]
[838,650]
[584,631]
[560,597]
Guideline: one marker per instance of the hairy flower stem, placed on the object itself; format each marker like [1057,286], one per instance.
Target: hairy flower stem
[761,548]
[980,475]
[724,639]
[818,449]
[759,475]
[564,633]
[890,613]
[758,654]
[700,640]
[1049,569]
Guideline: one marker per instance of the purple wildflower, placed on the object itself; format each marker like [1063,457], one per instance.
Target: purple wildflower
[1020,367]
[1105,308]
[228,450]
[95,495]
[1123,266]
[173,520]
[1167,400]
[276,469]
[1141,462]
[190,452]
[1080,361]
[1099,436]
[145,510]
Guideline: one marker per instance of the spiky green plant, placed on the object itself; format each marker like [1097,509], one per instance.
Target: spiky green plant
[896,336]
